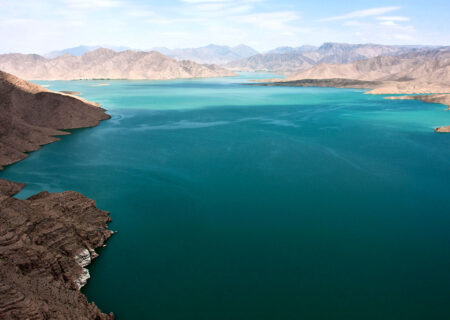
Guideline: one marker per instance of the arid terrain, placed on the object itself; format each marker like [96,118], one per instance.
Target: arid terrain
[47,240]
[31,116]
[291,60]
[107,64]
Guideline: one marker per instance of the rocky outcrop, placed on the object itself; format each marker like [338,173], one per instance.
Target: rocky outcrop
[31,116]
[107,64]
[46,242]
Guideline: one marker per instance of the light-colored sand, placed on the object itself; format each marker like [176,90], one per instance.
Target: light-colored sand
[72,93]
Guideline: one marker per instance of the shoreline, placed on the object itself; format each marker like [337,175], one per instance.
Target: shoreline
[428,93]
[443,99]
[47,240]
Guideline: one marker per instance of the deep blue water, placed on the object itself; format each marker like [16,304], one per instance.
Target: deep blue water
[241,202]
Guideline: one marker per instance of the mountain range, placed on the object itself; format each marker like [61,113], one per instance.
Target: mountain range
[106,64]
[288,59]
[210,54]
[425,65]
[80,50]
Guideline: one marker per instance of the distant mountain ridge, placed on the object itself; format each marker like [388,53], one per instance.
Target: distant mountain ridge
[301,49]
[423,65]
[210,54]
[80,50]
[106,64]
[288,59]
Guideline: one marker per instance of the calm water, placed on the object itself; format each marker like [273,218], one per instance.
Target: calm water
[236,202]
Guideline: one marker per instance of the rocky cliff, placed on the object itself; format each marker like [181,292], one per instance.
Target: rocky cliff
[45,243]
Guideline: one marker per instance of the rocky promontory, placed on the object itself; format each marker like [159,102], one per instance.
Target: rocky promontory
[31,116]
[45,243]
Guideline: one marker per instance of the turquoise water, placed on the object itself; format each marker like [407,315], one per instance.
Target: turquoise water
[242,202]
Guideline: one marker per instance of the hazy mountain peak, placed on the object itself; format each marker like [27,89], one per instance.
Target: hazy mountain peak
[104,63]
[211,53]
[82,49]
[290,59]
[425,65]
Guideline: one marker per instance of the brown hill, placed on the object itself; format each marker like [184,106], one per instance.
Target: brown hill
[295,59]
[107,64]
[30,116]
[426,66]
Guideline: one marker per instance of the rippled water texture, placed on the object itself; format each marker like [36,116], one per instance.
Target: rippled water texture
[240,202]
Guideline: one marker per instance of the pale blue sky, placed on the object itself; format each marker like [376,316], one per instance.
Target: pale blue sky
[44,25]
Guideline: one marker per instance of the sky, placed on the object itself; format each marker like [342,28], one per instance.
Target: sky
[40,26]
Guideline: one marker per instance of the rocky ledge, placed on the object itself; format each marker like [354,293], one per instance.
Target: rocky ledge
[46,242]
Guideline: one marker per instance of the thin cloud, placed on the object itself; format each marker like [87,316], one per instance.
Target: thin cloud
[393,18]
[363,13]
[204,1]
[270,20]
[93,3]
[388,23]
[217,1]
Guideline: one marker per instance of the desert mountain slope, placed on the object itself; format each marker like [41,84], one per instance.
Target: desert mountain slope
[31,115]
[106,64]
[300,49]
[426,66]
[272,62]
[210,54]
[286,59]
[80,50]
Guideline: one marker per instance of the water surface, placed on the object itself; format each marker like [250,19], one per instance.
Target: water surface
[242,202]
